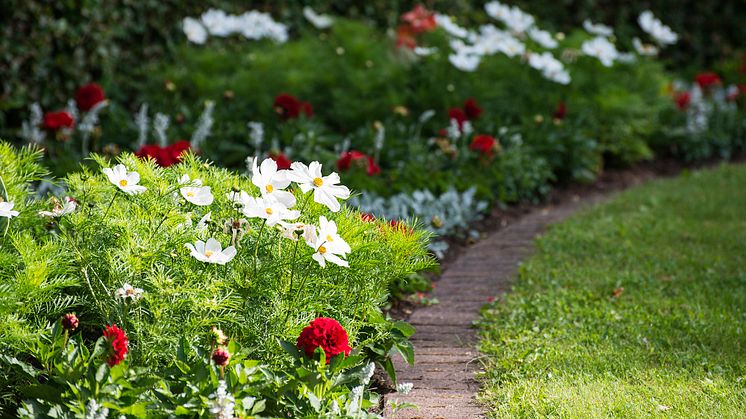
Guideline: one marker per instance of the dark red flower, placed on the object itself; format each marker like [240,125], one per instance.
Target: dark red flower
[373,168]
[327,334]
[458,115]
[69,321]
[164,156]
[472,109]
[357,158]
[560,111]
[88,96]
[221,357]
[484,144]
[682,99]
[405,37]
[283,163]
[177,149]
[289,107]
[420,19]
[707,79]
[119,344]
[366,217]
[54,121]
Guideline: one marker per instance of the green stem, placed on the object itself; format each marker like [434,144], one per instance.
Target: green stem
[292,269]
[256,247]
[111,203]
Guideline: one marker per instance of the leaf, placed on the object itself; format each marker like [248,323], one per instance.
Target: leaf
[20,366]
[405,328]
[42,391]
[259,407]
[137,409]
[102,373]
[406,350]
[182,366]
[290,348]
[388,366]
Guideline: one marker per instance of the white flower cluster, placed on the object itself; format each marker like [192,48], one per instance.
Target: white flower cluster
[514,18]
[252,25]
[223,402]
[447,214]
[661,33]
[550,67]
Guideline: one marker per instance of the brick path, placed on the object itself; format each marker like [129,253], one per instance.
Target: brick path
[445,354]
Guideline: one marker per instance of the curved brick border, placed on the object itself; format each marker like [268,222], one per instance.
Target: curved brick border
[446,358]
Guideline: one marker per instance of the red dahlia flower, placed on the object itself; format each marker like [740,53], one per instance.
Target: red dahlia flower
[560,112]
[221,357]
[682,99]
[707,80]
[119,342]
[472,109]
[484,144]
[327,334]
[88,96]
[283,163]
[164,156]
[420,19]
[69,321]
[289,107]
[54,121]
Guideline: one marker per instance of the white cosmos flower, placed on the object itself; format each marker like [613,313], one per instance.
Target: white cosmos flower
[294,230]
[203,222]
[328,245]
[597,28]
[514,18]
[424,51]
[465,62]
[602,49]
[124,180]
[68,206]
[194,192]
[271,182]
[644,49]
[211,252]
[446,23]
[326,189]
[6,210]
[319,21]
[550,67]
[128,292]
[662,34]
[543,38]
[269,209]
[194,30]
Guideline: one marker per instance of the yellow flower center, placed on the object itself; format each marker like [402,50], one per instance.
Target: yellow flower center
[268,211]
[269,188]
[318,181]
[190,194]
[123,183]
[130,291]
[329,238]
[322,249]
[209,253]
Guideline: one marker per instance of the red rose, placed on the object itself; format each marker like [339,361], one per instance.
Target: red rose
[283,163]
[560,111]
[118,341]
[405,37]
[88,96]
[420,19]
[325,333]
[458,115]
[54,121]
[221,357]
[472,109]
[707,79]
[484,144]
[682,99]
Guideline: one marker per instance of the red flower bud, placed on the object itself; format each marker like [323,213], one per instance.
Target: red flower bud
[88,96]
[221,357]
[69,321]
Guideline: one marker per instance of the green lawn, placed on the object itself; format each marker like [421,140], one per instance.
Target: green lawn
[672,343]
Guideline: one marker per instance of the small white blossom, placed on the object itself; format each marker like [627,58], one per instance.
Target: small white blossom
[194,30]
[550,67]
[223,403]
[194,192]
[211,252]
[465,62]
[293,231]
[600,47]
[514,18]
[446,23]
[203,222]
[319,21]
[644,49]
[69,205]
[597,28]
[6,210]
[124,180]
[271,182]
[662,34]
[424,51]
[328,244]
[326,189]
[267,208]
[543,38]
[127,291]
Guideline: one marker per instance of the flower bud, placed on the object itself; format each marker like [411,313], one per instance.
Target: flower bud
[221,357]
[70,321]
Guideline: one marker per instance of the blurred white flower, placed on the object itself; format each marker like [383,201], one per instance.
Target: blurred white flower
[271,182]
[550,67]
[269,209]
[328,245]
[211,252]
[543,38]
[514,18]
[194,30]
[124,180]
[446,23]
[424,51]
[597,28]
[223,403]
[6,210]
[465,62]
[294,230]
[326,189]
[602,49]
[203,223]
[644,49]
[662,34]
[194,192]
[319,21]
[68,206]
[128,292]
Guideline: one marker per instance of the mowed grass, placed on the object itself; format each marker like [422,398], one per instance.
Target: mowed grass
[569,342]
